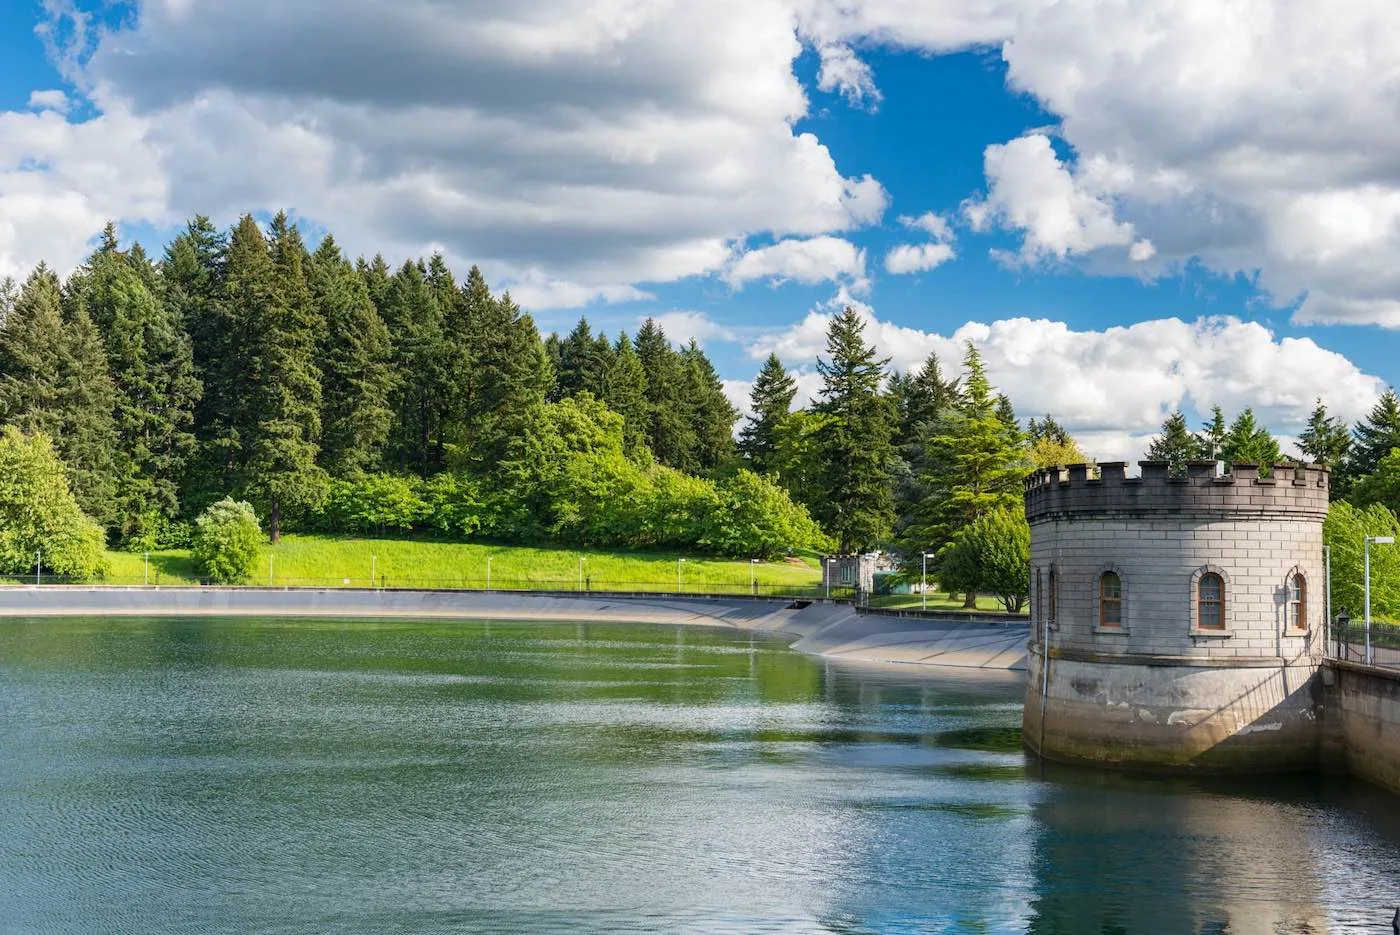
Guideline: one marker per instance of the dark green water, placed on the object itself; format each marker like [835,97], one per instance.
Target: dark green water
[349,776]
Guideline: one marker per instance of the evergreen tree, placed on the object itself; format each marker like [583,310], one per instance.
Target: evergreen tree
[9,293]
[670,434]
[771,403]
[1175,445]
[1326,440]
[581,365]
[853,444]
[1047,430]
[974,463]
[354,354]
[1249,442]
[1375,436]
[420,362]
[54,381]
[1210,443]
[152,365]
[712,414]
[511,373]
[625,393]
[920,397]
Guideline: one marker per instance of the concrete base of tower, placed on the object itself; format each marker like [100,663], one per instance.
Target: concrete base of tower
[1174,713]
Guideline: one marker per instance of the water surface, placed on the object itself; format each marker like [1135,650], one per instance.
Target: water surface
[225,775]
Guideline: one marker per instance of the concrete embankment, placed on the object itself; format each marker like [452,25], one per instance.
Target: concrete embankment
[826,628]
[1362,721]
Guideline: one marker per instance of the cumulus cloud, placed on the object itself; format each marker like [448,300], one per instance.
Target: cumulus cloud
[815,260]
[1031,190]
[553,142]
[843,72]
[915,258]
[681,326]
[51,99]
[931,223]
[1117,385]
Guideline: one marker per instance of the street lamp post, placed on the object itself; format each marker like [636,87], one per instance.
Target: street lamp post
[923,582]
[1366,548]
[753,576]
[581,560]
[679,563]
[146,574]
[39,566]
[488,572]
[827,563]
[373,561]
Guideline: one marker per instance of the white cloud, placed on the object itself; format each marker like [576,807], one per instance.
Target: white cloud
[52,99]
[935,225]
[842,71]
[817,259]
[1114,387]
[681,326]
[555,142]
[915,258]
[1031,190]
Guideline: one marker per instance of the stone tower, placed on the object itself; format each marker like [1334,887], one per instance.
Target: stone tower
[1176,621]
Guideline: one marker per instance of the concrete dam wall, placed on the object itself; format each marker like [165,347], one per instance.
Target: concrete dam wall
[825,628]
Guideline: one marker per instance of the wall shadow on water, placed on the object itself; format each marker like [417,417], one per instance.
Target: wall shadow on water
[1116,854]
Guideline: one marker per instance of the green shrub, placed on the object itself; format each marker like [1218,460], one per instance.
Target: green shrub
[227,540]
[990,554]
[374,504]
[757,519]
[38,512]
[452,505]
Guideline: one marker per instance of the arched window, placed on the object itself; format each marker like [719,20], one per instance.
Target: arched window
[1210,598]
[1110,601]
[1297,608]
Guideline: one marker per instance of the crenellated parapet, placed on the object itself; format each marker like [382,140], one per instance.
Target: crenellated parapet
[1205,490]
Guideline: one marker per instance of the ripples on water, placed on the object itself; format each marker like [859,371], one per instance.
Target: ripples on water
[348,776]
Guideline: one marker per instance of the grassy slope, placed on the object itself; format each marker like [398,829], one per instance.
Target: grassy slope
[937,600]
[329,560]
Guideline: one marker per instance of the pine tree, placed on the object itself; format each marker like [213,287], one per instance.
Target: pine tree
[420,363]
[711,412]
[974,463]
[853,444]
[1326,440]
[1210,443]
[1047,430]
[511,376]
[581,366]
[354,354]
[1375,436]
[54,380]
[152,365]
[1249,442]
[670,434]
[89,440]
[625,393]
[920,397]
[9,294]
[1175,445]
[771,402]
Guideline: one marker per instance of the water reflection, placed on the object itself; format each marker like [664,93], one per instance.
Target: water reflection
[269,776]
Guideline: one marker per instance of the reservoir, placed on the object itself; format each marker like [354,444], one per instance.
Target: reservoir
[227,775]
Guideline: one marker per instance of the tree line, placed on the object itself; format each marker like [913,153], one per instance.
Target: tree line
[348,396]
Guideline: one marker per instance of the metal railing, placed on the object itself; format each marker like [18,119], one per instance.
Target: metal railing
[397,582]
[1349,642]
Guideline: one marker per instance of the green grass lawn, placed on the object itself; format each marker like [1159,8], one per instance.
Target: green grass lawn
[403,563]
[937,600]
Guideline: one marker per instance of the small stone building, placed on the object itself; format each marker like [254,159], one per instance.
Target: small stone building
[1176,621]
[855,571]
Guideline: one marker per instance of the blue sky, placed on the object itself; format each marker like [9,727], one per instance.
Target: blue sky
[1136,212]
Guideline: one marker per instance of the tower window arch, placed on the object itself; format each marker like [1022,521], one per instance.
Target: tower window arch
[1296,601]
[1110,601]
[1210,602]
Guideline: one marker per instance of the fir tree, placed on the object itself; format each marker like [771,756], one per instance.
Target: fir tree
[1249,442]
[920,397]
[1175,445]
[420,360]
[1375,436]
[581,365]
[152,365]
[54,380]
[853,444]
[1210,443]
[974,463]
[1047,430]
[770,402]
[1326,440]
[625,393]
[712,414]
[512,374]
[354,353]
[670,434]
[9,293]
